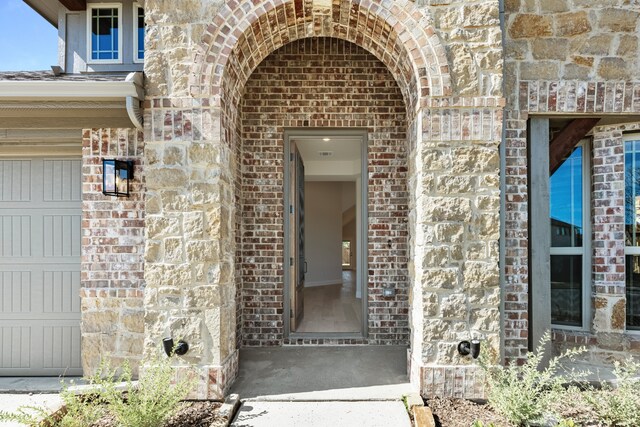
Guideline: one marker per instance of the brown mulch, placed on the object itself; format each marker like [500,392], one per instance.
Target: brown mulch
[192,414]
[451,412]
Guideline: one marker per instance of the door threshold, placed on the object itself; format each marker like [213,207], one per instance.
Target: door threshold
[326,335]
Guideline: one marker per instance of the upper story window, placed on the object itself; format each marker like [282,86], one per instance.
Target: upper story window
[138,33]
[105,39]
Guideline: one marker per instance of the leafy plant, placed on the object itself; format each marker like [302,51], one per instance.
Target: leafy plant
[478,423]
[78,412]
[619,406]
[525,394]
[148,403]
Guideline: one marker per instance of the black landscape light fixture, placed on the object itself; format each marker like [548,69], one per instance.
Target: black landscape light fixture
[116,177]
[472,348]
[170,348]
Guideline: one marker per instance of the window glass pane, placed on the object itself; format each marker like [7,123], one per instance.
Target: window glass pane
[140,29]
[566,290]
[632,193]
[566,202]
[633,291]
[104,33]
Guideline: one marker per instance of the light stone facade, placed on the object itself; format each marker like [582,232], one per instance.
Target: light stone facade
[213,176]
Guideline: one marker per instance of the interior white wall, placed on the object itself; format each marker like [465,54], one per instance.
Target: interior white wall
[323,233]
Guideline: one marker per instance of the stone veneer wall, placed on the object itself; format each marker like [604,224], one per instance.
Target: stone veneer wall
[570,57]
[322,82]
[199,56]
[112,265]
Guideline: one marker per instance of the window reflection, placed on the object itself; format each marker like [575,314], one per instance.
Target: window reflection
[632,228]
[566,211]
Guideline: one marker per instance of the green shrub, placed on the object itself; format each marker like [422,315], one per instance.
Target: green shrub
[619,406]
[156,397]
[148,403]
[79,412]
[526,394]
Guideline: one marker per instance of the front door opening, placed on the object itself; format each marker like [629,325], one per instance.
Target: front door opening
[325,235]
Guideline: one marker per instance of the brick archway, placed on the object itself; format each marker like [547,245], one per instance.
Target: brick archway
[243,34]
[205,198]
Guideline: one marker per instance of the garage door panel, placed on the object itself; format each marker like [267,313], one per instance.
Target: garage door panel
[16,346]
[61,292]
[40,246]
[65,174]
[16,291]
[61,235]
[59,344]
[15,234]
[15,180]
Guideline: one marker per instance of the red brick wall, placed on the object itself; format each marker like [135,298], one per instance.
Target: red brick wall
[112,264]
[322,82]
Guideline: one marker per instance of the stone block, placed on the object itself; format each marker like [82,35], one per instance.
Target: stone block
[539,70]
[553,6]
[449,209]
[598,45]
[165,178]
[613,68]
[550,48]
[619,20]
[454,306]
[572,24]
[528,25]
[628,46]
[440,278]
[478,274]
[480,15]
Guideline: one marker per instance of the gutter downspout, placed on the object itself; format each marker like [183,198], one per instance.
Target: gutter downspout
[503,167]
[132,103]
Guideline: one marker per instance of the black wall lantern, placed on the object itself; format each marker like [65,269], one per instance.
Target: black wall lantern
[116,177]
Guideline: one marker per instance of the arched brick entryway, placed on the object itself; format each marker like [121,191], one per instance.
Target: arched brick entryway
[192,284]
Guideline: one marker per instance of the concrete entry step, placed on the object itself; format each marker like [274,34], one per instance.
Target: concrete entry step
[322,414]
[353,373]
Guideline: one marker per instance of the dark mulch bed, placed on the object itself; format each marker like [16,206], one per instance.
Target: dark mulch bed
[192,414]
[451,412]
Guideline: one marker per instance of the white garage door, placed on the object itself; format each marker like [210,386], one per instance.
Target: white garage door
[40,212]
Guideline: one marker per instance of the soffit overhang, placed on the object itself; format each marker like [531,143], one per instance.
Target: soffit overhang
[71,103]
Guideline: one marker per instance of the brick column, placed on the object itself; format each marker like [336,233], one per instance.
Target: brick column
[609,302]
[516,305]
[112,253]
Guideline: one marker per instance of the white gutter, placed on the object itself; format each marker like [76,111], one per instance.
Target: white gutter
[131,89]
[133,102]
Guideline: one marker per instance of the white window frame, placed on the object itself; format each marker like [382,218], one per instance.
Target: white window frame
[585,250]
[628,250]
[90,8]
[136,5]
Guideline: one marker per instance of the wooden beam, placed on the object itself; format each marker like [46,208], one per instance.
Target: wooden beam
[567,139]
[539,232]
[74,5]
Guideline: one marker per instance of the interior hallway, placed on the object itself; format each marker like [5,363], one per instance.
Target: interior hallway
[333,308]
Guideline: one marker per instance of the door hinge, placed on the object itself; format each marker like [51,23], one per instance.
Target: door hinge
[291,261]
[291,157]
[290,208]
[291,312]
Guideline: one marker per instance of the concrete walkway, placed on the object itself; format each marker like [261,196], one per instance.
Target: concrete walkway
[11,402]
[323,386]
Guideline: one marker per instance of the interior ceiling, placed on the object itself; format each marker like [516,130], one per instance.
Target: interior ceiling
[344,149]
